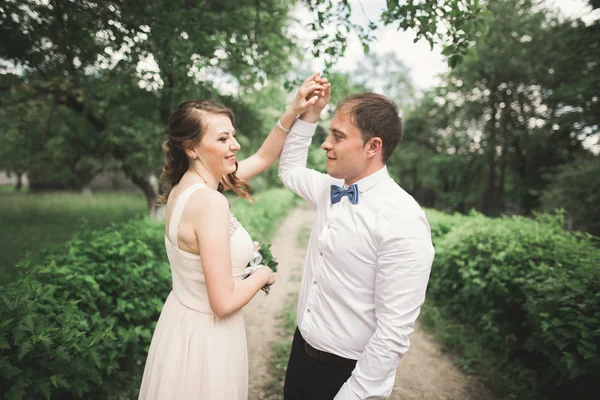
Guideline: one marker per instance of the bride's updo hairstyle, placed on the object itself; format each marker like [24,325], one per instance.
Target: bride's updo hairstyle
[187,123]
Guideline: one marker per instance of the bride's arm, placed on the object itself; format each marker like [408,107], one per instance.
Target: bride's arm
[225,294]
[271,148]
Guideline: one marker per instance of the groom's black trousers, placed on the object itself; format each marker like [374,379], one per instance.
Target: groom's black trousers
[308,378]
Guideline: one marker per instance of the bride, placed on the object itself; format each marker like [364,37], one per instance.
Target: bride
[198,349]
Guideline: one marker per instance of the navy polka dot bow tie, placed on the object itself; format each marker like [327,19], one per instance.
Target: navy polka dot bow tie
[337,193]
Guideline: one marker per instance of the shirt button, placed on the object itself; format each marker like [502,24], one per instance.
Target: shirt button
[328,226]
[315,282]
[321,253]
[308,310]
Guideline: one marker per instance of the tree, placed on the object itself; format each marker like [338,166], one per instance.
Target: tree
[454,23]
[68,50]
[520,105]
[576,188]
[19,146]
[439,161]
[388,75]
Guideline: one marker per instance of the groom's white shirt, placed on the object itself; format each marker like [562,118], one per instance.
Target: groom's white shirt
[366,269]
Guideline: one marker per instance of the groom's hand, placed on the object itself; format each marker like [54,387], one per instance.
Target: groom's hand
[308,95]
[313,111]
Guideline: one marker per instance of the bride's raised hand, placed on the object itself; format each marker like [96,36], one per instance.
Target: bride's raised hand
[323,97]
[309,94]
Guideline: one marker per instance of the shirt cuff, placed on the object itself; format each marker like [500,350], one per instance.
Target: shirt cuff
[303,128]
[346,393]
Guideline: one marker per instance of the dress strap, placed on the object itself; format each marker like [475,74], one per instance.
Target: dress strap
[179,206]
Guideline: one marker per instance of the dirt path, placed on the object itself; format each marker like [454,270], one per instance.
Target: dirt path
[424,373]
[262,313]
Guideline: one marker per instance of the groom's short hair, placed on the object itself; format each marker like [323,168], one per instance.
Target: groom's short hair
[375,116]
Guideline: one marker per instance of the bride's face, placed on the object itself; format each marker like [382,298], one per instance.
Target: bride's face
[218,146]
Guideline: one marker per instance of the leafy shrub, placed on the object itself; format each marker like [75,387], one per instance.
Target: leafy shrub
[441,223]
[45,344]
[532,288]
[80,323]
[112,281]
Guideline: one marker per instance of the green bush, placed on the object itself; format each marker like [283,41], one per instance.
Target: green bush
[441,223]
[532,289]
[112,282]
[45,344]
[80,323]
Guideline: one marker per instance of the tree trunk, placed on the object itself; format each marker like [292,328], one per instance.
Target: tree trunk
[19,184]
[148,187]
[489,197]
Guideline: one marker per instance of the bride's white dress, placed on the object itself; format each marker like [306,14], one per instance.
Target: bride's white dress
[194,354]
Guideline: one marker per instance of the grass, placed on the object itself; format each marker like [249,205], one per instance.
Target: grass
[11,189]
[32,222]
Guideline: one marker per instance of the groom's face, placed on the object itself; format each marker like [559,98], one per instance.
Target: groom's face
[344,148]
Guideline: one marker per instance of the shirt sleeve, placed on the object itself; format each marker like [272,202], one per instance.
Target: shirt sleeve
[305,182]
[403,268]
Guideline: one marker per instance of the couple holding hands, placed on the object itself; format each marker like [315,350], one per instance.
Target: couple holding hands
[367,263]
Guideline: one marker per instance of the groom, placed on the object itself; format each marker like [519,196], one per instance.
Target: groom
[368,258]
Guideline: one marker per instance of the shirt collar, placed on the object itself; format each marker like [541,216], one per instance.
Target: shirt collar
[369,181]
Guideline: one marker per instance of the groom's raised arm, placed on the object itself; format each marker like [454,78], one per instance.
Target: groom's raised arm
[305,182]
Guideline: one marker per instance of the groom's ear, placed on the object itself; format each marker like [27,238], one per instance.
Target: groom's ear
[374,146]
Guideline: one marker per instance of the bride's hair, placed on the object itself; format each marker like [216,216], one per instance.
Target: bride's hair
[187,123]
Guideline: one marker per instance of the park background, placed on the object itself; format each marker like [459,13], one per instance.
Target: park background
[501,104]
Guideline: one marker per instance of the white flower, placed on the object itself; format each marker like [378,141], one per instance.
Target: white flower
[253,265]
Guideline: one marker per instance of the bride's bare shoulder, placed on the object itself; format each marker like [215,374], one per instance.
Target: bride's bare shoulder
[208,201]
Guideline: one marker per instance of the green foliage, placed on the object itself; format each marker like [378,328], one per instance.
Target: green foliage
[454,23]
[262,218]
[441,223]
[474,354]
[531,290]
[493,134]
[343,85]
[32,222]
[267,257]
[45,344]
[269,261]
[385,73]
[81,108]
[84,315]
[576,188]
[79,323]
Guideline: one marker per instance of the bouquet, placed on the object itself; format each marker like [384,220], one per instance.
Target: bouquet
[262,258]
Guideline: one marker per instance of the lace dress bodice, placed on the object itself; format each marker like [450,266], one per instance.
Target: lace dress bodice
[189,283]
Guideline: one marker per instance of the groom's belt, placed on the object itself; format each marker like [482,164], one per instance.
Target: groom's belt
[328,357]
